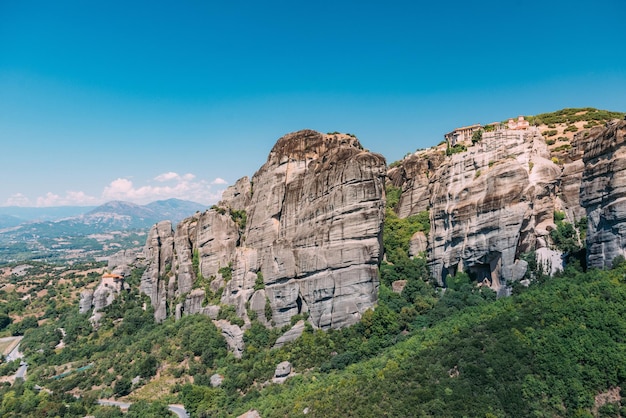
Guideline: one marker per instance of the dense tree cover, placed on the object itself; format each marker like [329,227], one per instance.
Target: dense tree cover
[545,352]
[571,115]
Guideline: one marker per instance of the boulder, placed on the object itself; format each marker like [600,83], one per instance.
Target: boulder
[398,286]
[283,370]
[250,414]
[233,336]
[291,335]
[216,380]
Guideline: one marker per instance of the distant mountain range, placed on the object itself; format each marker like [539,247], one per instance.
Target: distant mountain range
[27,233]
[15,215]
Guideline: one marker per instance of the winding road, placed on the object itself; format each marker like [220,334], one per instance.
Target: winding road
[15,354]
[179,410]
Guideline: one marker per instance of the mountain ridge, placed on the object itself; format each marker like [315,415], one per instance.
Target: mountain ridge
[92,228]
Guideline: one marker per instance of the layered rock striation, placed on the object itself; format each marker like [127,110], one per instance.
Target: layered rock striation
[603,194]
[302,236]
[497,200]
[490,204]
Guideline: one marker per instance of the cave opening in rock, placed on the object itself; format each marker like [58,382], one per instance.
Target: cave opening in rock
[480,272]
[299,303]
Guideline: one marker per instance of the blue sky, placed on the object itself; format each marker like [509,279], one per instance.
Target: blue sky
[148,100]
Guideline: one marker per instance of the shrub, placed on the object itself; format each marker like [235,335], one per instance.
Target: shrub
[562,147]
[259,283]
[226,272]
[477,136]
[268,310]
[558,216]
[455,149]
[392,194]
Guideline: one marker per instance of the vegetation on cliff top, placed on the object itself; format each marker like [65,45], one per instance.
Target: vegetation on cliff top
[572,115]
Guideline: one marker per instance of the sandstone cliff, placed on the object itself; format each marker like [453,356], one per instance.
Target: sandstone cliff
[603,194]
[489,204]
[496,201]
[302,236]
[412,176]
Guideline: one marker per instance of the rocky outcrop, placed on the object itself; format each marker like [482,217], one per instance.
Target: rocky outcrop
[110,286]
[413,175]
[159,252]
[496,201]
[86,301]
[233,336]
[490,204]
[418,244]
[282,372]
[603,194]
[303,235]
[291,335]
[123,260]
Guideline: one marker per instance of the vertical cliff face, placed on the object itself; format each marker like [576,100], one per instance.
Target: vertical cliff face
[603,194]
[303,235]
[157,278]
[490,204]
[496,201]
[413,176]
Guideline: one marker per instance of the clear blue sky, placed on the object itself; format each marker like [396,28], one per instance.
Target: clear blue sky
[148,100]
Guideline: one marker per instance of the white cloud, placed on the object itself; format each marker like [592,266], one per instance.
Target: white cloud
[170,185]
[181,187]
[18,199]
[170,175]
[167,176]
[71,198]
[219,180]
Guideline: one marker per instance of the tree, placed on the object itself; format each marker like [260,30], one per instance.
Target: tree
[5,321]
[122,387]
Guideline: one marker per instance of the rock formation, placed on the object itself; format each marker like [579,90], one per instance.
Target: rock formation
[495,201]
[291,335]
[86,301]
[487,205]
[413,177]
[303,235]
[490,204]
[159,252]
[110,286]
[603,194]
[282,372]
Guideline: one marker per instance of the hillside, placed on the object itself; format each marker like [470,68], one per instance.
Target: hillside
[92,234]
[382,298]
[550,351]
